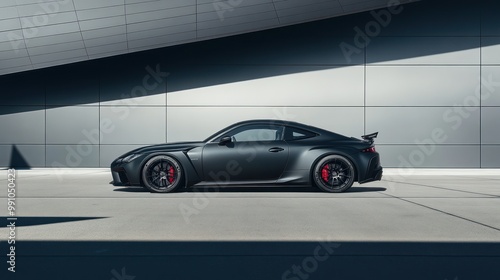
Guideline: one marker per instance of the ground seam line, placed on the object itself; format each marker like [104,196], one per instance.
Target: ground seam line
[444,212]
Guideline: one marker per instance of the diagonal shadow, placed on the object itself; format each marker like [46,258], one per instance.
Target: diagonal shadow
[17,160]
[37,221]
[287,50]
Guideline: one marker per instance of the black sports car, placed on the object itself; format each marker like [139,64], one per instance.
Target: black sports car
[254,152]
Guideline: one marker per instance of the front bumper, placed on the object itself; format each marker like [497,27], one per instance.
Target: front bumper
[126,173]
[120,177]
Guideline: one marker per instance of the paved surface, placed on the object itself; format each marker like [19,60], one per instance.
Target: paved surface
[450,223]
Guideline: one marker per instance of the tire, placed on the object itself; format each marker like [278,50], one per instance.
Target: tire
[334,174]
[161,174]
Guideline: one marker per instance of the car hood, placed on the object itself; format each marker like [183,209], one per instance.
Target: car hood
[166,147]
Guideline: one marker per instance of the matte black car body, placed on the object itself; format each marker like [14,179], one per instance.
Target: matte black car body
[288,159]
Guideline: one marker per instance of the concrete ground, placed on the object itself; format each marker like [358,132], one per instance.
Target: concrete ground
[433,224]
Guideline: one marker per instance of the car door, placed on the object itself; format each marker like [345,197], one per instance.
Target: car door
[250,153]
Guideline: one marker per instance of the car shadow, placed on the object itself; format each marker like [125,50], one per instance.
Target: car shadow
[230,189]
[301,189]
[366,189]
[130,189]
[251,189]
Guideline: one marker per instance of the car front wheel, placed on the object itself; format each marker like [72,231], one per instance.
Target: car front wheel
[334,173]
[161,174]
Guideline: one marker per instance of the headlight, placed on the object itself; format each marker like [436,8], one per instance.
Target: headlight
[130,158]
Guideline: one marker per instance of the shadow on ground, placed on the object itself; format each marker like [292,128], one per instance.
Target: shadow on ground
[36,221]
[253,260]
[260,189]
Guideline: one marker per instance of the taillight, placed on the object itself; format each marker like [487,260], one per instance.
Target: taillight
[369,150]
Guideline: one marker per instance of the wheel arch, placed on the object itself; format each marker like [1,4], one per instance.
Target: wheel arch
[333,153]
[169,154]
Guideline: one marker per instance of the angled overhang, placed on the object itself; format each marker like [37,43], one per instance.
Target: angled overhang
[40,33]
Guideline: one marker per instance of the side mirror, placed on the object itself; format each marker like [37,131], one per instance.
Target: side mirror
[225,140]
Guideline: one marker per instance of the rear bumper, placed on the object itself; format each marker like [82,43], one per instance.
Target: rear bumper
[375,175]
[373,170]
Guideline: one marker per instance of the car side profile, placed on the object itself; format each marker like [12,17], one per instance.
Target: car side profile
[255,152]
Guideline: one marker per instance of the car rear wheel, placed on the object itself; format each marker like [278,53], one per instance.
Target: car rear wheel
[161,174]
[334,173]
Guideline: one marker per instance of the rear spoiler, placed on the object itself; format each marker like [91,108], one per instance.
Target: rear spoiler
[370,137]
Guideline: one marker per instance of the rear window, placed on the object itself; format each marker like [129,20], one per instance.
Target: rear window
[293,133]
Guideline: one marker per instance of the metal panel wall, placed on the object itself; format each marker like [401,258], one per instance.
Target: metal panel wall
[427,78]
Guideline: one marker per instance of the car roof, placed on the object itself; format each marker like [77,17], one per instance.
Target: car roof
[283,122]
[317,130]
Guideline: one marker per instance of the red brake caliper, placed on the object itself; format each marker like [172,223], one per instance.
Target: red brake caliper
[171,173]
[325,173]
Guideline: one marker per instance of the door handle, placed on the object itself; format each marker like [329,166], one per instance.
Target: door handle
[276,149]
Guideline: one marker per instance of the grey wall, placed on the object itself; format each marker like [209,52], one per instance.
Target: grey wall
[417,82]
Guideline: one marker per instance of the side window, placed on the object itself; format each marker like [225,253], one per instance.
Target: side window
[256,133]
[293,133]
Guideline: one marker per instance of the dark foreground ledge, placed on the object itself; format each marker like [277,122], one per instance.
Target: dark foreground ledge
[132,260]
